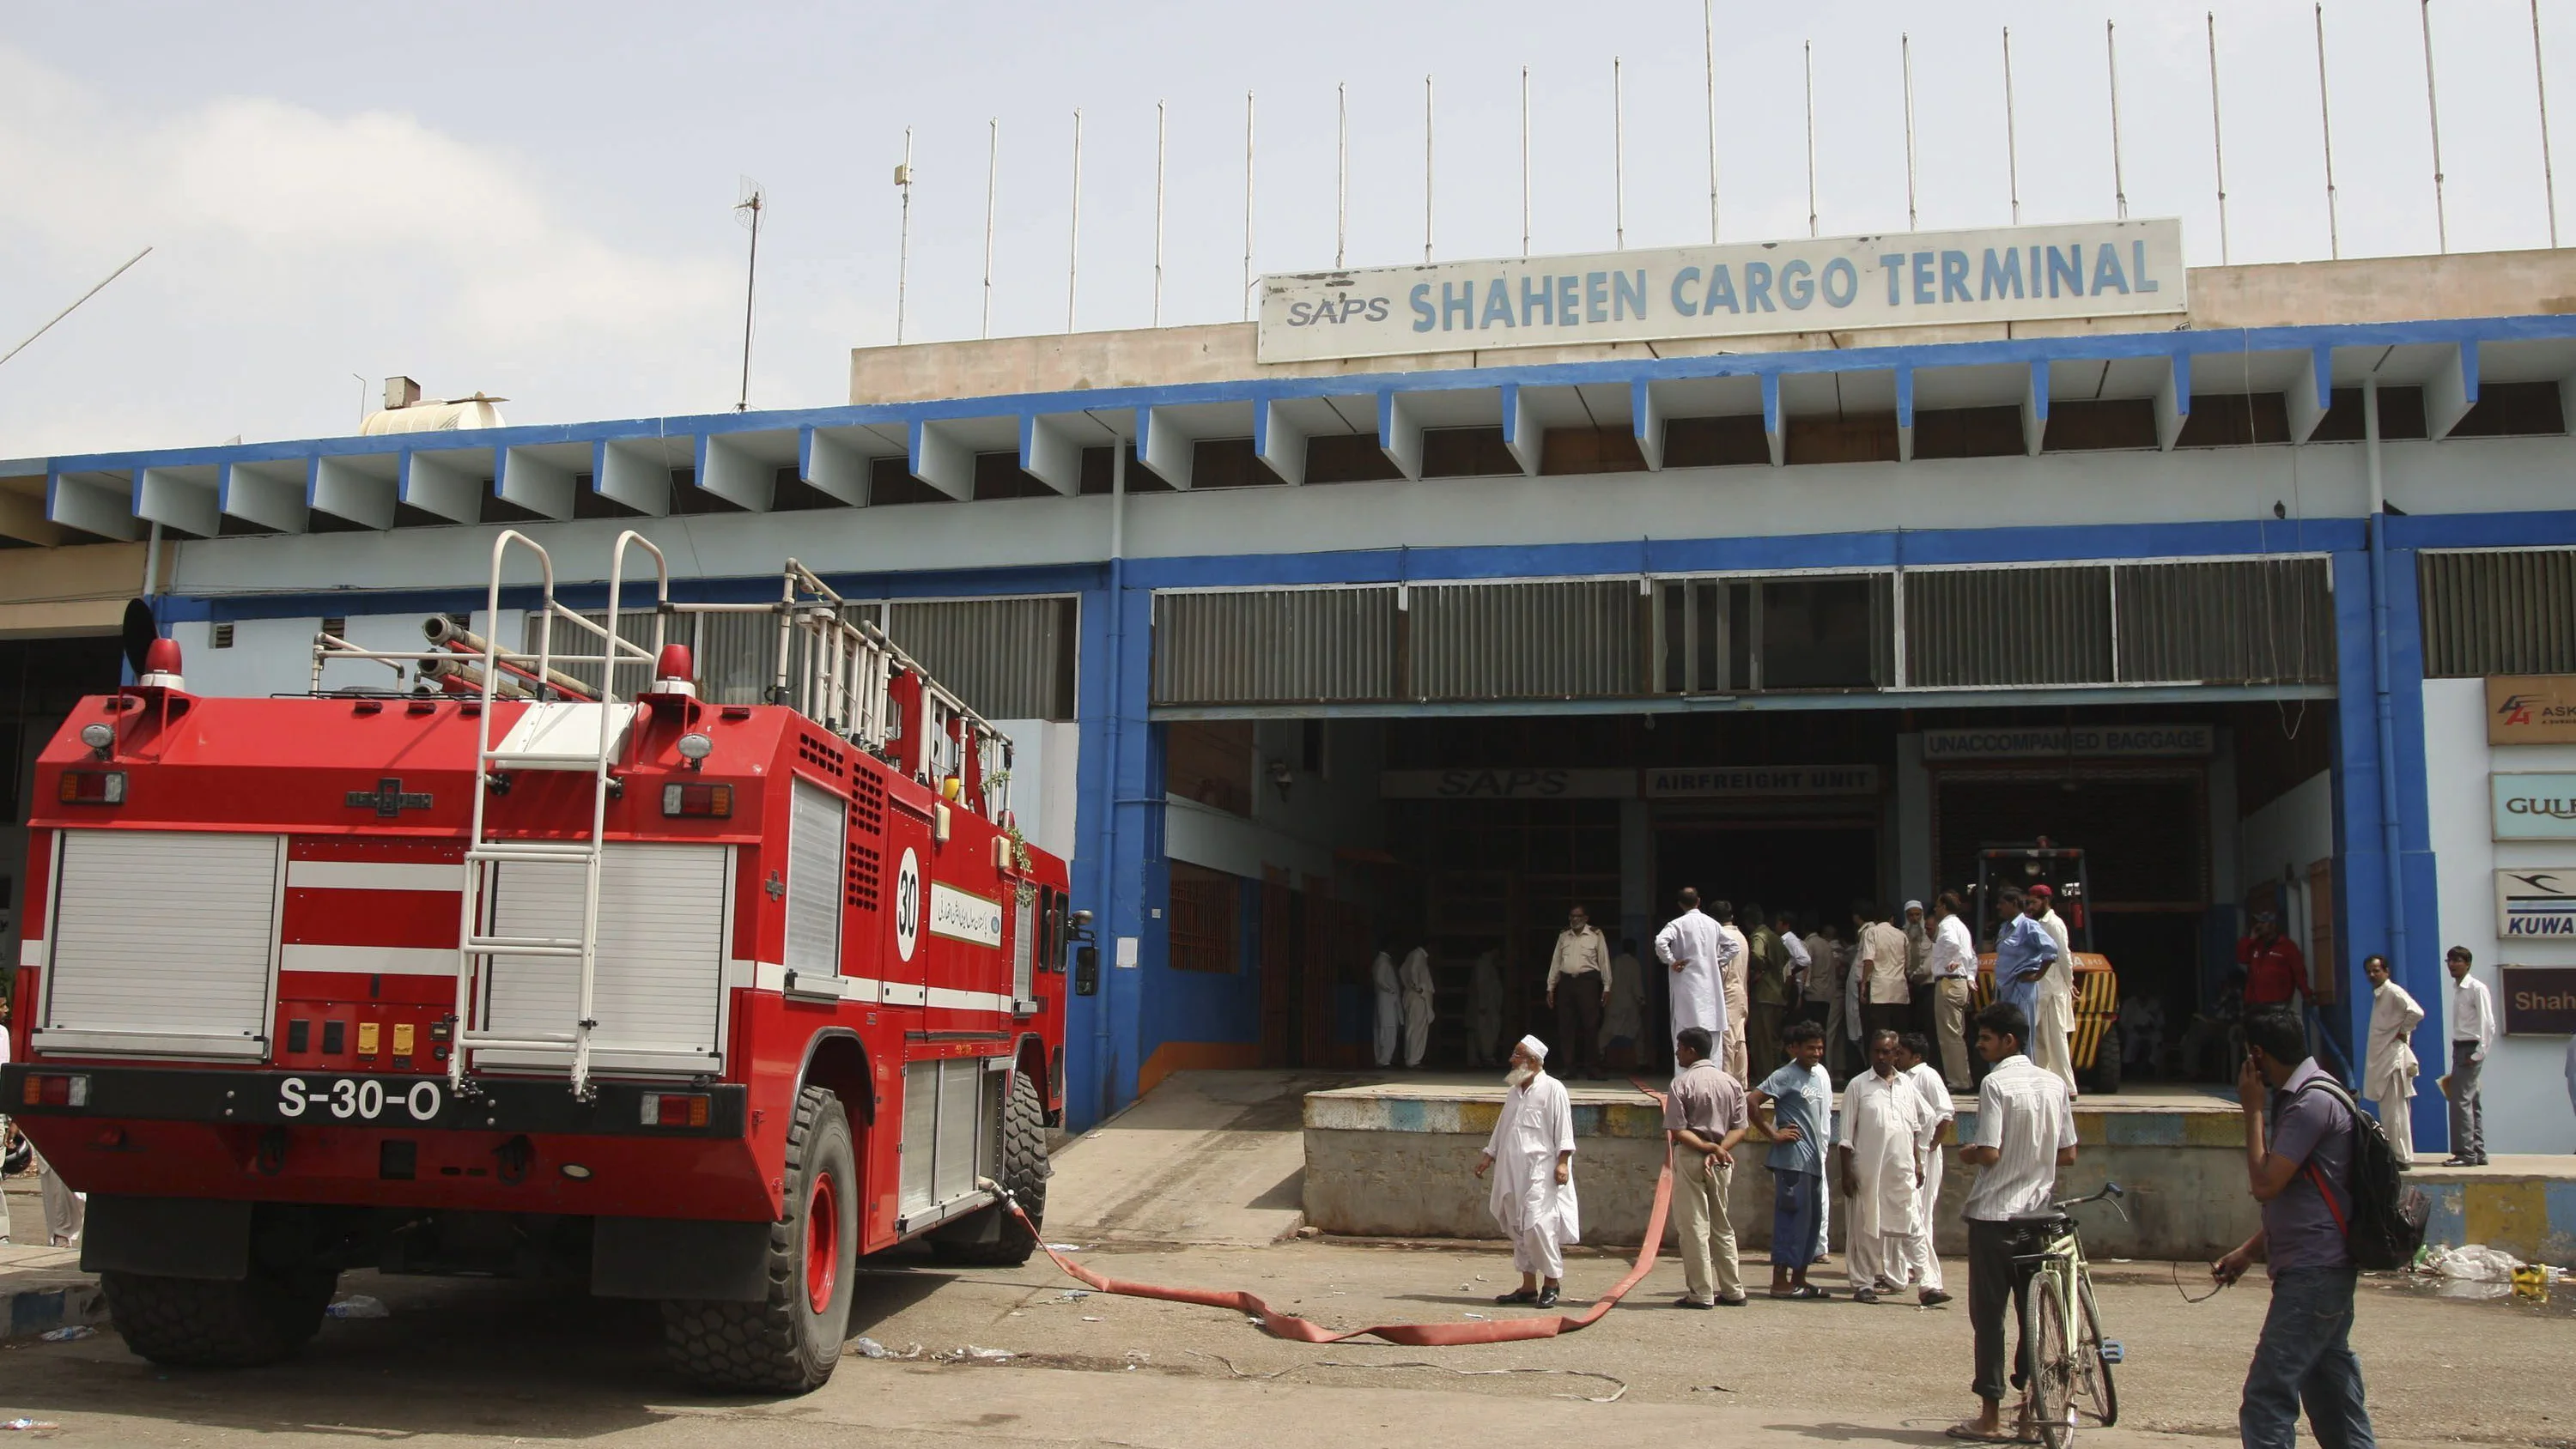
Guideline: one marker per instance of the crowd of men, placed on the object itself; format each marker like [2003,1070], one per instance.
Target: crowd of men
[1882,1156]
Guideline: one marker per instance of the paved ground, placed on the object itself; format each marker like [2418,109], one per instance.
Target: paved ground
[478,1362]
[1212,1163]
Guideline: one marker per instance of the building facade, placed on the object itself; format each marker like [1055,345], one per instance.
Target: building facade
[1312,658]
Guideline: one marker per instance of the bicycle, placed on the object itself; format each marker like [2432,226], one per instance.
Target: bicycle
[2070,1360]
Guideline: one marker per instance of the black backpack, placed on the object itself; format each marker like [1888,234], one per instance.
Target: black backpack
[2386,1229]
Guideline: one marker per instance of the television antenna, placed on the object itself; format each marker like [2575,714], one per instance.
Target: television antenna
[75,306]
[746,211]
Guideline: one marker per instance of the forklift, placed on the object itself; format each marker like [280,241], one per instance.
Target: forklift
[2095,1047]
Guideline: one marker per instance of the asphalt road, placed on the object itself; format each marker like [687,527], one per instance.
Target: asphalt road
[490,1362]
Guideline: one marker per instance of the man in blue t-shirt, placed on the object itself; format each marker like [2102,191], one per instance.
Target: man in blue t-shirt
[1794,1105]
[2298,1161]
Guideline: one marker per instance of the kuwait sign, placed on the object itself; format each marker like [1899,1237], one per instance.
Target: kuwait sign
[1919,279]
[2536,903]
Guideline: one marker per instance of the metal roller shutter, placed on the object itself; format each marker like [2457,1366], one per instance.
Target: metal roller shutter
[163,941]
[2230,621]
[1551,640]
[814,869]
[658,986]
[1966,628]
[1278,646]
[1007,658]
[2507,612]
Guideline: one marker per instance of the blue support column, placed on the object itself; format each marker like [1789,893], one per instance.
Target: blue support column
[1121,867]
[2385,891]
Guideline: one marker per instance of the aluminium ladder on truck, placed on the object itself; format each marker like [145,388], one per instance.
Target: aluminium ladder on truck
[834,669]
[568,725]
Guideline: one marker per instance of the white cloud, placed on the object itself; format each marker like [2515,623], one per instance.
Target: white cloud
[294,246]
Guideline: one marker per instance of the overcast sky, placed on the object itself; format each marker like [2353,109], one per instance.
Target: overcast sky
[535,199]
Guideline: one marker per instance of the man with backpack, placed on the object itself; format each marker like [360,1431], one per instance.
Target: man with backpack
[2303,1138]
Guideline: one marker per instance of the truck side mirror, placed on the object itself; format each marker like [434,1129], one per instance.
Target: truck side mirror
[1086,971]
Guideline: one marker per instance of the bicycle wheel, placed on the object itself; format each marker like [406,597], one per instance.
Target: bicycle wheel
[2094,1390]
[2052,1361]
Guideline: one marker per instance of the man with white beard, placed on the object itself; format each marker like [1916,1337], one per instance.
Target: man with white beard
[1531,1155]
[1390,1006]
[1696,951]
[2389,1069]
[1415,977]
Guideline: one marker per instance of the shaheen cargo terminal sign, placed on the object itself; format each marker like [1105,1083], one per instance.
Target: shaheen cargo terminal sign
[1918,279]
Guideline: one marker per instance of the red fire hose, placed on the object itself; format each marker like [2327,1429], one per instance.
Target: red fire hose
[1412,1335]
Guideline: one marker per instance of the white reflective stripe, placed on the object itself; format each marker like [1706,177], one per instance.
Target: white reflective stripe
[31,952]
[372,875]
[772,976]
[370,960]
[941,996]
[896,993]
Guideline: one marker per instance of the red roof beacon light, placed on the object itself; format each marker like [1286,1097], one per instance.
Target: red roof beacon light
[672,672]
[161,666]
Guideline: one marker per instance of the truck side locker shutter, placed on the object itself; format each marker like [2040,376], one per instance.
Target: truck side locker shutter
[816,823]
[1024,945]
[164,942]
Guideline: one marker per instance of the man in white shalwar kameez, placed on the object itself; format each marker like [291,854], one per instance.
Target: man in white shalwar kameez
[2052,1024]
[1735,970]
[1885,1129]
[1692,946]
[1390,1006]
[1913,1062]
[2388,1071]
[1415,977]
[1531,1155]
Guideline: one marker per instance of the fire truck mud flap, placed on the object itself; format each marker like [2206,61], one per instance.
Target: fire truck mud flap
[167,1237]
[664,1258]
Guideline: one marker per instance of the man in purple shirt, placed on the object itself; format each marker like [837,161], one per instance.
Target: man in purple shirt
[2298,1163]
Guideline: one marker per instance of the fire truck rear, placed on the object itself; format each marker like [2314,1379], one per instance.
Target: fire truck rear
[553,966]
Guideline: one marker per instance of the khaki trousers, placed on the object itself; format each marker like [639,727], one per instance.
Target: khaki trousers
[1952,1017]
[1707,1233]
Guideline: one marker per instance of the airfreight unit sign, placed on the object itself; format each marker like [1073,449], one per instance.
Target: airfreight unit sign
[1922,279]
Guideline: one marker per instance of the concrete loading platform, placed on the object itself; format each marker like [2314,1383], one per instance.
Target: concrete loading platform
[1395,1158]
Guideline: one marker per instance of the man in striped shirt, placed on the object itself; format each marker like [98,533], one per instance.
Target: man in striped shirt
[2025,1132]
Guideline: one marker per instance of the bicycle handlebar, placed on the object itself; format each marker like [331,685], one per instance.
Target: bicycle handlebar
[2110,1192]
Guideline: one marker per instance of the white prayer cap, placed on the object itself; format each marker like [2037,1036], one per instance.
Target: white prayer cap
[1914,905]
[1534,1047]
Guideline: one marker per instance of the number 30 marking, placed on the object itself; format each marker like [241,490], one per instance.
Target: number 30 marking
[348,1097]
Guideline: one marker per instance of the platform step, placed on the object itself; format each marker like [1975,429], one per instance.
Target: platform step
[545,853]
[521,946]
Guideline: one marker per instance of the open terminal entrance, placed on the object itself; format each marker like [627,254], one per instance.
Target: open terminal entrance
[1301,847]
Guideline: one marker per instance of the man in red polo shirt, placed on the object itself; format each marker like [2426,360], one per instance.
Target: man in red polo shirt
[2275,972]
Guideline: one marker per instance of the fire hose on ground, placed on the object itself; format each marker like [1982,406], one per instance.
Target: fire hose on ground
[1412,1335]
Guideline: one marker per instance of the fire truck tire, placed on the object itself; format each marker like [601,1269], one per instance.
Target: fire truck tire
[203,1323]
[789,1341]
[1024,1172]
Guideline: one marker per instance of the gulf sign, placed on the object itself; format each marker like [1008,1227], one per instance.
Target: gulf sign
[1919,279]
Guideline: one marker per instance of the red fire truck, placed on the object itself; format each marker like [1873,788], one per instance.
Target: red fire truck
[510,968]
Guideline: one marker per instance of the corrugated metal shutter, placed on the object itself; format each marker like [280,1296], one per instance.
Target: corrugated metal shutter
[1278,646]
[2236,621]
[2498,613]
[1971,627]
[168,934]
[659,980]
[1551,640]
[1007,658]
[920,1134]
[814,866]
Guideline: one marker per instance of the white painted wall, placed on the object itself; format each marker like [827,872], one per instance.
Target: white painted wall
[1322,811]
[2296,830]
[2526,1094]
[1044,769]
[275,656]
